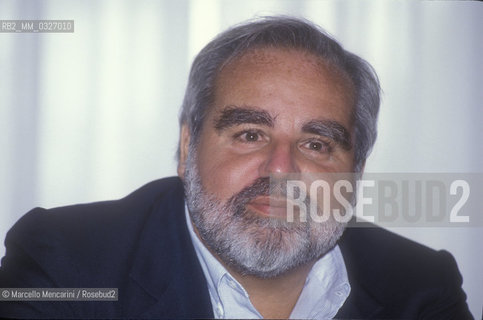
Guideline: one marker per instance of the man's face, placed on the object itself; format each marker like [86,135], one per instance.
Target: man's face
[275,112]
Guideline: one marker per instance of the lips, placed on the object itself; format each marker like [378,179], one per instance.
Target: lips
[269,206]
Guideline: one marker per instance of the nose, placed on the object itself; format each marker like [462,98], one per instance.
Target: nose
[280,159]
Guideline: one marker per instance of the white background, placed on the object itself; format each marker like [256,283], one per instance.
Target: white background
[92,115]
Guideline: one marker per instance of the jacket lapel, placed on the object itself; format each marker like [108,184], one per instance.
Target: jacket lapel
[166,280]
[359,305]
[362,302]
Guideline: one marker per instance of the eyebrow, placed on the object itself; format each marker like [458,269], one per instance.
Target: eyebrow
[331,129]
[234,115]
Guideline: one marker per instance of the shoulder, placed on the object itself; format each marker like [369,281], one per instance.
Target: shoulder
[86,238]
[384,254]
[99,215]
[406,277]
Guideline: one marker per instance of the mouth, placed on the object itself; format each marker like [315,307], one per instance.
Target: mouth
[275,207]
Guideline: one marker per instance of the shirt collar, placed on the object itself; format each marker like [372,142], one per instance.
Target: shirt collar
[213,270]
[326,289]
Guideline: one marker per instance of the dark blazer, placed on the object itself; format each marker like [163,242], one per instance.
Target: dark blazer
[140,245]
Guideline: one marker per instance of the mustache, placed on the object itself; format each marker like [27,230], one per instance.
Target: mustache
[263,186]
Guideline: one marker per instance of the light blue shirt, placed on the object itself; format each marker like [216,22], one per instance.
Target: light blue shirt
[325,291]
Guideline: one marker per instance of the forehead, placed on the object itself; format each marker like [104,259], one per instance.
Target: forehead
[284,77]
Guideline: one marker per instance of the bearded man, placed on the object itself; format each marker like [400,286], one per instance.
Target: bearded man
[269,98]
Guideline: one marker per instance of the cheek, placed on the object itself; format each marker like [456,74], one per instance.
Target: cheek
[341,162]
[224,174]
[344,162]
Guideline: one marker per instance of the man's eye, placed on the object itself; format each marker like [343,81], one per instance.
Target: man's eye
[318,146]
[249,136]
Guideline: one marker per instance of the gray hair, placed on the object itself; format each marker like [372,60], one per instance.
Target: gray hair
[282,32]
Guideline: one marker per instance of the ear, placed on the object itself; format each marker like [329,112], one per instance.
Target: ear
[184,142]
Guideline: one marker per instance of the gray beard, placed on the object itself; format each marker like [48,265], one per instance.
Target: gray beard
[251,244]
